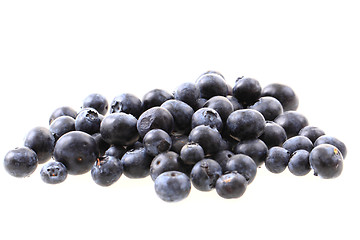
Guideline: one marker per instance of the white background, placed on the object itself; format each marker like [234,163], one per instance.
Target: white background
[55,53]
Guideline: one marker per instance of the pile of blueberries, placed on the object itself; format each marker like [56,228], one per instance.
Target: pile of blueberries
[207,134]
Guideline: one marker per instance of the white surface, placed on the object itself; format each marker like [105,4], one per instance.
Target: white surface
[55,53]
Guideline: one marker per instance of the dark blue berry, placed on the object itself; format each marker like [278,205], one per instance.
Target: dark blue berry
[127,103]
[284,94]
[20,162]
[62,125]
[106,171]
[277,159]
[292,122]
[191,153]
[136,163]
[299,164]
[269,107]
[296,143]
[208,117]
[178,141]
[188,93]
[273,135]
[53,173]
[210,85]
[42,142]
[62,111]
[231,185]
[254,148]
[244,165]
[103,146]
[221,105]
[88,120]
[153,118]
[97,102]
[204,174]
[223,157]
[332,141]
[311,132]
[119,129]
[208,138]
[155,98]
[326,160]
[172,186]
[116,151]
[235,103]
[77,151]
[157,141]
[247,90]
[182,114]
[168,161]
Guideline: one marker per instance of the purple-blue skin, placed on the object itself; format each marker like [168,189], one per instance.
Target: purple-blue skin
[269,107]
[136,163]
[311,132]
[244,165]
[247,90]
[178,141]
[155,98]
[42,142]
[231,185]
[62,125]
[62,111]
[221,105]
[277,159]
[222,157]
[188,93]
[327,161]
[153,118]
[204,174]
[284,94]
[208,117]
[106,171]
[127,103]
[77,151]
[299,164]
[332,141]
[168,161]
[296,143]
[245,124]
[172,186]
[20,162]
[116,151]
[88,120]
[254,148]
[273,135]
[157,141]
[97,102]
[208,138]
[210,85]
[292,122]
[103,146]
[191,153]
[53,173]
[234,102]
[182,114]
[119,129]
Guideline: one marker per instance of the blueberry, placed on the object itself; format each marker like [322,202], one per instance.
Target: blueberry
[77,151]
[210,85]
[245,124]
[231,185]
[333,141]
[200,102]
[247,90]
[235,103]
[191,153]
[326,160]
[254,148]
[273,135]
[187,93]
[168,161]
[106,171]
[296,143]
[157,141]
[97,102]
[62,111]
[115,151]
[223,157]
[42,142]
[153,118]
[212,72]
[182,114]
[311,132]
[204,174]
[292,122]
[208,138]
[277,159]
[207,117]
[221,105]
[20,162]
[127,103]
[284,94]
[178,141]
[269,107]
[244,165]
[155,98]
[119,129]
[53,173]
[299,164]
[62,125]
[103,146]
[172,186]
[88,120]
[136,163]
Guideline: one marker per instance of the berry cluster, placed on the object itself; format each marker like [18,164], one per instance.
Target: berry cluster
[206,134]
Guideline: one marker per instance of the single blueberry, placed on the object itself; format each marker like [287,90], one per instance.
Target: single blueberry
[204,174]
[208,138]
[296,143]
[88,120]
[332,141]
[299,164]
[106,171]
[269,107]
[284,94]
[277,159]
[231,185]
[273,135]
[127,103]
[182,114]
[62,125]
[292,122]
[254,148]
[208,117]
[244,165]
[172,186]
[157,141]
[53,173]
[136,163]
[62,111]
[155,98]
[97,102]
[311,132]
[156,117]
[191,153]
[42,142]
[20,162]
[326,160]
